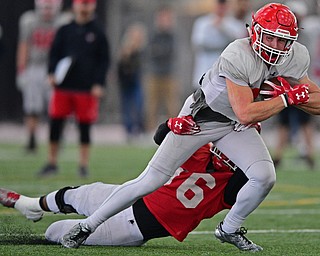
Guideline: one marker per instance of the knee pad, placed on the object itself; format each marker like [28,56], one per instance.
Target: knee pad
[56,126]
[63,207]
[84,133]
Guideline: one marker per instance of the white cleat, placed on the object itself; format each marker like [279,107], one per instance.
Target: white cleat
[237,239]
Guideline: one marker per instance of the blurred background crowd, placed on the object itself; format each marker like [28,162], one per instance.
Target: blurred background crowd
[158,52]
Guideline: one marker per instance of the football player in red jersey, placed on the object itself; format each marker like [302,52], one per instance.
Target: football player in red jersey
[204,185]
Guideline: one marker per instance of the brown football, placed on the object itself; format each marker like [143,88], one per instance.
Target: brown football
[265,86]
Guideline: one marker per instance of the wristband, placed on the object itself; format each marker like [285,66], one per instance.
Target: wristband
[285,102]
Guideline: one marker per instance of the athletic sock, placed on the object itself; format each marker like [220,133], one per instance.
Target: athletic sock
[29,203]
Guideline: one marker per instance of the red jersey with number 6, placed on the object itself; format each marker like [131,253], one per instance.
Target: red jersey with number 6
[192,194]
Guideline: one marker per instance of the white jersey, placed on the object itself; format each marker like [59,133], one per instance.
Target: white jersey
[240,64]
[39,35]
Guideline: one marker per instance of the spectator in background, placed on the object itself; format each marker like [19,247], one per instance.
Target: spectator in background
[242,11]
[293,120]
[162,90]
[36,31]
[129,70]
[211,33]
[78,93]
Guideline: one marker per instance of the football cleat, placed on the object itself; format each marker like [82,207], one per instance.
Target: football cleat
[8,198]
[23,204]
[76,236]
[83,172]
[237,239]
[48,170]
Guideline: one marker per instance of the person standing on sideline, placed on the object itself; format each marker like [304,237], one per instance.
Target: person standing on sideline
[162,88]
[130,77]
[84,43]
[210,35]
[221,111]
[36,31]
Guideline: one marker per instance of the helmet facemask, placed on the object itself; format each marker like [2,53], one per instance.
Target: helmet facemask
[220,161]
[270,55]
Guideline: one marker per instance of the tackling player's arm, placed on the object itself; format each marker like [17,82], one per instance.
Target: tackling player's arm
[313,106]
[248,111]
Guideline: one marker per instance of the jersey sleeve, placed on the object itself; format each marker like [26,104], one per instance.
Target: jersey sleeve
[232,72]
[236,62]
[55,53]
[25,26]
[298,64]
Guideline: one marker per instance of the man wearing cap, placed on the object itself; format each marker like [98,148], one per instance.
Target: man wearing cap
[83,49]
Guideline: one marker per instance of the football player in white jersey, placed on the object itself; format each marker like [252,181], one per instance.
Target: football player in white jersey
[36,31]
[222,108]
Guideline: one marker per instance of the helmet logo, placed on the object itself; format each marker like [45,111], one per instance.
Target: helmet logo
[284,18]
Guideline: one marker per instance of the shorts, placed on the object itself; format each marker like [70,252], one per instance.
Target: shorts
[82,104]
[35,90]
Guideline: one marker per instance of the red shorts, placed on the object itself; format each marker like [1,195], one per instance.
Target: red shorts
[82,104]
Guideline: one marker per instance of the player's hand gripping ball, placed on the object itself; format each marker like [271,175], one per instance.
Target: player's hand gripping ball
[293,92]
[272,87]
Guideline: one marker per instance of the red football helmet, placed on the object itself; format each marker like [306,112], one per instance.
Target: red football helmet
[276,20]
[221,162]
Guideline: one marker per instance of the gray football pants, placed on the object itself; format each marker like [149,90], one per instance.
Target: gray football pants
[246,149]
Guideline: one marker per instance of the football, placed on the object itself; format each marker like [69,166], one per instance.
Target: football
[266,88]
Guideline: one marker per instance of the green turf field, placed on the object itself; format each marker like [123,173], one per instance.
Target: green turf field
[287,223]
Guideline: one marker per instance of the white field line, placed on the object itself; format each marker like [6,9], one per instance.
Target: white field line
[264,231]
[287,211]
[291,211]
